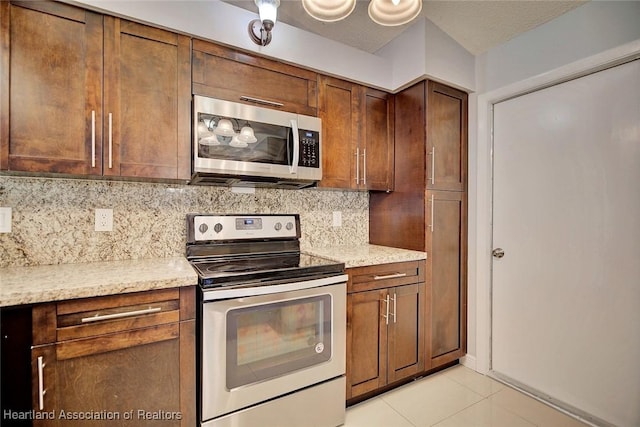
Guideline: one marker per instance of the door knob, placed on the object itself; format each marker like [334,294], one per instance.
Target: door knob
[498,253]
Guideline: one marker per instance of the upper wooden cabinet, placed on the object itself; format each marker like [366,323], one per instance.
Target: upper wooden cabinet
[51,88]
[446,109]
[339,108]
[377,139]
[357,136]
[84,94]
[223,73]
[147,98]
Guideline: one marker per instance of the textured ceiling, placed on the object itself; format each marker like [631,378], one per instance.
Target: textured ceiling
[477,25]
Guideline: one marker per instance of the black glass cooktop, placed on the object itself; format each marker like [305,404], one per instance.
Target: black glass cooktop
[261,269]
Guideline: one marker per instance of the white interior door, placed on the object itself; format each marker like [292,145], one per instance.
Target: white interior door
[566,211]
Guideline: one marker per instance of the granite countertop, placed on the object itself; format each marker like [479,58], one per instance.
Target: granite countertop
[46,283]
[364,255]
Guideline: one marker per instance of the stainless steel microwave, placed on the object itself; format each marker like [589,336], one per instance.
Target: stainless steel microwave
[247,145]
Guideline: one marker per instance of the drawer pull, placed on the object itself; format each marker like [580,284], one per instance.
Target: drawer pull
[261,101]
[99,317]
[390,276]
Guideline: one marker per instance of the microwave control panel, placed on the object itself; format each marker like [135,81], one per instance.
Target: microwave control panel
[309,148]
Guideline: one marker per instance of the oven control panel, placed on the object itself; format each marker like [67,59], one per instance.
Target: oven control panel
[238,227]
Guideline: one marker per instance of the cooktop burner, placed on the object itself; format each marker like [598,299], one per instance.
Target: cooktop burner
[223,267]
[231,250]
[227,272]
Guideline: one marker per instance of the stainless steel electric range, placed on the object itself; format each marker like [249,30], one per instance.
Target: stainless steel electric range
[272,324]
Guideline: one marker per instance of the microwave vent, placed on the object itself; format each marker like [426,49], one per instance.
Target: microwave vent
[249,181]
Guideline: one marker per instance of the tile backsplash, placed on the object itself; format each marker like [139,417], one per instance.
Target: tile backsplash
[53,218]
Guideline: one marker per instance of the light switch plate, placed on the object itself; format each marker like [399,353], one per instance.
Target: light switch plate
[5,220]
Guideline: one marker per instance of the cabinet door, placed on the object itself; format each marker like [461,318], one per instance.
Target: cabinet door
[44,390]
[446,138]
[406,331]
[446,247]
[338,104]
[15,363]
[377,149]
[223,73]
[147,102]
[137,371]
[51,88]
[366,342]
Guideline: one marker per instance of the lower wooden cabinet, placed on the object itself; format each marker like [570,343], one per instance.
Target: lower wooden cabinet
[447,268]
[427,211]
[125,360]
[385,325]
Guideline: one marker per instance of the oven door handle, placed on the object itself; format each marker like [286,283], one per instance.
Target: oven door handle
[250,291]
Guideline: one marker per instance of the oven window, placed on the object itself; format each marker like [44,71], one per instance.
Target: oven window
[271,340]
[242,140]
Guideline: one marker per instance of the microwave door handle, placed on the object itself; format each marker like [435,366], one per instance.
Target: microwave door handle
[293,167]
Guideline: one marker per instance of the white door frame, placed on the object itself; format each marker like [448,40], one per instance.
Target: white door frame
[484,189]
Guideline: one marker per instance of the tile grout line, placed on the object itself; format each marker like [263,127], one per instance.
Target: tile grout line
[461,410]
[480,401]
[398,412]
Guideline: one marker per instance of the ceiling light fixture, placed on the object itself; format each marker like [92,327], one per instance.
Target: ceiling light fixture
[268,10]
[329,10]
[394,12]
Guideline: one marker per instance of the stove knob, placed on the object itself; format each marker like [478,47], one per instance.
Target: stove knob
[217,228]
[278,226]
[203,228]
[289,226]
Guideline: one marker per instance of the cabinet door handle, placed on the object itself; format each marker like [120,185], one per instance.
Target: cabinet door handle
[364,166]
[110,141]
[433,165]
[99,317]
[386,316]
[395,306]
[261,101]
[389,276]
[357,165]
[41,390]
[432,212]
[93,138]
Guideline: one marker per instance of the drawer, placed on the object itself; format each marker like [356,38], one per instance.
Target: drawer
[385,275]
[91,317]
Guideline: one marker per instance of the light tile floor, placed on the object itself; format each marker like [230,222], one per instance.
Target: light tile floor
[456,397]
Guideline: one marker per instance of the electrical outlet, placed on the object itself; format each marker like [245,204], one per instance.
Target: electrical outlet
[104,220]
[5,220]
[337,219]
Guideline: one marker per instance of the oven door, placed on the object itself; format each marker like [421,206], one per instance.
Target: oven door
[260,347]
